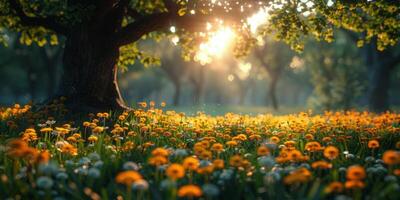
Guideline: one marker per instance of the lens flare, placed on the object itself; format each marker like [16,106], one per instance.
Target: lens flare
[216,46]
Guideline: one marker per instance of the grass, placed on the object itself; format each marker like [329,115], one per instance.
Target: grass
[216,110]
[158,153]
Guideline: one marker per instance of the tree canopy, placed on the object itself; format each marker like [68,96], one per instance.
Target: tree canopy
[44,21]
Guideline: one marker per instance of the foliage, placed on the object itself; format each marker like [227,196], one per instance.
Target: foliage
[290,21]
[337,75]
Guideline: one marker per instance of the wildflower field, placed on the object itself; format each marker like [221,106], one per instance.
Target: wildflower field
[151,153]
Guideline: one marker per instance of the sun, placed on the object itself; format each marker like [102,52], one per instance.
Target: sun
[258,19]
[217,44]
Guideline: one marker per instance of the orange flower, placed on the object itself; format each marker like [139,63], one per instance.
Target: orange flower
[313,146]
[391,157]
[262,151]
[355,172]
[158,160]
[175,171]
[69,149]
[191,163]
[235,161]
[373,144]
[354,184]
[217,147]
[218,164]
[301,175]
[43,157]
[128,177]
[331,152]
[160,152]
[334,187]
[294,156]
[321,165]
[17,148]
[190,191]
[231,143]
[396,172]
[274,139]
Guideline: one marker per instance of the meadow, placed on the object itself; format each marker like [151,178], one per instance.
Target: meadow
[154,153]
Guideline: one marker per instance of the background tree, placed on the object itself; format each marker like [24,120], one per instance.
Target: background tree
[175,70]
[336,73]
[272,56]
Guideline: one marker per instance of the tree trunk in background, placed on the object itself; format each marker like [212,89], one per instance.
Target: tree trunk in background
[272,93]
[89,81]
[379,95]
[32,79]
[382,64]
[177,93]
[197,93]
[198,85]
[51,61]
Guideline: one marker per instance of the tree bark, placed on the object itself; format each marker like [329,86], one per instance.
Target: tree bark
[382,65]
[89,81]
[379,97]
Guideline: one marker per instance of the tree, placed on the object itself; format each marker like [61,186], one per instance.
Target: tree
[336,73]
[381,65]
[96,30]
[196,77]
[273,58]
[175,70]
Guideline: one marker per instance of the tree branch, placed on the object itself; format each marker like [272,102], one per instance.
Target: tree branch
[134,13]
[47,22]
[189,22]
[135,30]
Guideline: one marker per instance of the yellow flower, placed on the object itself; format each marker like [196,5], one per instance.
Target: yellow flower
[98,129]
[46,130]
[92,138]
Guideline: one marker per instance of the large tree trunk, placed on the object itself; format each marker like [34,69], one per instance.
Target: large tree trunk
[89,81]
